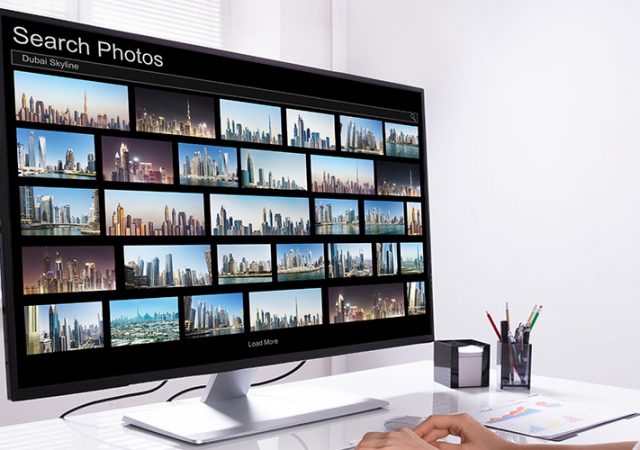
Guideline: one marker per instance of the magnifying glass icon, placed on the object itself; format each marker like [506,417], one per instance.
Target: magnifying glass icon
[414,117]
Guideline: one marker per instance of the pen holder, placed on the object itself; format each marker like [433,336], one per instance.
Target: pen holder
[515,365]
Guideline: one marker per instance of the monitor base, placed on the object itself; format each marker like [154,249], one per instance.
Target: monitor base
[226,410]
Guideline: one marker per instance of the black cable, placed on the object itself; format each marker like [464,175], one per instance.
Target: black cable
[117,397]
[184,391]
[295,369]
[272,380]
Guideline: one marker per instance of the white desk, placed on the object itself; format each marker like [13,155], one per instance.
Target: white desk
[409,388]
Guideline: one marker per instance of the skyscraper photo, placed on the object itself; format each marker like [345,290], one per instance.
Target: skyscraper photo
[208,165]
[383,217]
[361,135]
[51,211]
[253,215]
[213,315]
[263,169]
[387,258]
[399,179]
[152,266]
[55,154]
[150,213]
[168,112]
[250,122]
[311,129]
[350,260]
[137,160]
[144,321]
[64,269]
[244,263]
[59,100]
[63,327]
[273,310]
[401,140]
[342,175]
[300,261]
[370,302]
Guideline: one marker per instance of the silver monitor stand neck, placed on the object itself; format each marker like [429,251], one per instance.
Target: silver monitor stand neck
[227,409]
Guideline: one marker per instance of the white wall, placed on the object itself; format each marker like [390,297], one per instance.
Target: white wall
[533,152]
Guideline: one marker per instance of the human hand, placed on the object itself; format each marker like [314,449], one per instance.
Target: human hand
[473,436]
[402,439]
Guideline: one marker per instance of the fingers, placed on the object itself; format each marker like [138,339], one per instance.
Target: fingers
[445,446]
[434,435]
[403,439]
[436,424]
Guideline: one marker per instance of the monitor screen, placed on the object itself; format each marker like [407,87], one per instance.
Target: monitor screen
[171,210]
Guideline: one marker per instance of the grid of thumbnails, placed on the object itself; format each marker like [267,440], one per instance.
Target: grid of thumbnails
[265,216]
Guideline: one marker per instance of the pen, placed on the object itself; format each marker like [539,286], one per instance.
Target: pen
[535,318]
[493,325]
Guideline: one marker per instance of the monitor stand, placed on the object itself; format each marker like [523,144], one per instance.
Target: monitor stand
[227,410]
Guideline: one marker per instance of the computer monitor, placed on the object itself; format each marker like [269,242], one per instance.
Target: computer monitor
[172,210]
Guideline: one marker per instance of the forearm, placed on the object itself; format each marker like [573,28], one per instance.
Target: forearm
[612,446]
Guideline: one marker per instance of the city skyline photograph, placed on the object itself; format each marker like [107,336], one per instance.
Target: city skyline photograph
[398,179]
[342,175]
[137,160]
[55,154]
[150,213]
[144,321]
[244,263]
[208,165]
[264,169]
[412,258]
[383,217]
[51,211]
[350,260]
[416,298]
[70,101]
[387,258]
[64,269]
[149,266]
[63,327]
[368,302]
[300,261]
[401,140]
[169,112]
[273,310]
[336,216]
[414,218]
[213,315]
[361,135]
[311,129]
[253,215]
[250,122]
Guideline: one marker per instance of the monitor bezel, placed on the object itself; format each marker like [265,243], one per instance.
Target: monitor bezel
[15,392]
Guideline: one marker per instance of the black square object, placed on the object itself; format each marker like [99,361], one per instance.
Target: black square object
[446,366]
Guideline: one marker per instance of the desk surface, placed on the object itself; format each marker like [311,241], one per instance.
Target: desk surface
[408,387]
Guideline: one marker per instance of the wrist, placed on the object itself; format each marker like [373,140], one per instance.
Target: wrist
[507,445]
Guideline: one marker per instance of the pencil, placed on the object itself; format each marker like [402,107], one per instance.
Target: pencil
[535,318]
[533,311]
[493,324]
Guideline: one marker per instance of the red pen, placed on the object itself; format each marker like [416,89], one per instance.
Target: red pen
[493,324]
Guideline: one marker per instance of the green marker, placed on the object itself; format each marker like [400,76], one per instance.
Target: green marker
[533,322]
